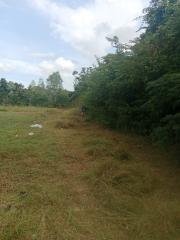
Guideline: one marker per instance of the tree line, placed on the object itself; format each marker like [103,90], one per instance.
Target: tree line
[46,94]
[137,88]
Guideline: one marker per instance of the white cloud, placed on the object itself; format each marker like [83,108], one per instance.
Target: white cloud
[85,28]
[6,67]
[42,55]
[42,69]
[64,65]
[11,65]
[46,68]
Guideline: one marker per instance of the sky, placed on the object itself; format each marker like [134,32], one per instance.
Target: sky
[39,37]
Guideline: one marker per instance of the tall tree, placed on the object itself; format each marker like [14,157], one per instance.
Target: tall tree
[54,81]
[41,83]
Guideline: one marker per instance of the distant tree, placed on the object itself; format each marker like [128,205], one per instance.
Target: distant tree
[4,90]
[63,98]
[54,81]
[36,94]
[54,87]
[41,83]
[32,84]
[18,95]
[75,73]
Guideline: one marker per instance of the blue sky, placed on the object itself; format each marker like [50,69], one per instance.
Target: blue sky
[42,36]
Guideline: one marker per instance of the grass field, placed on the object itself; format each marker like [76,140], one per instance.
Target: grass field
[73,180]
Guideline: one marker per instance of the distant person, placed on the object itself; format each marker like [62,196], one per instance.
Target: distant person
[83,110]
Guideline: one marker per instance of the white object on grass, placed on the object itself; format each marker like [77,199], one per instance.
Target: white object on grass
[36,126]
[31,134]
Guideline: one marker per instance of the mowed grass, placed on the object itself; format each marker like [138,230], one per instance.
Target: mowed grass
[73,180]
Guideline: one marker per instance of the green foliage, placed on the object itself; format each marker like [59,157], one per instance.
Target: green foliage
[54,81]
[12,93]
[50,94]
[138,87]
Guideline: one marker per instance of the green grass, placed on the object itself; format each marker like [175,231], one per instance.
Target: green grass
[73,180]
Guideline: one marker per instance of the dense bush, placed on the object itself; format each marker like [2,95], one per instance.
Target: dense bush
[138,87]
